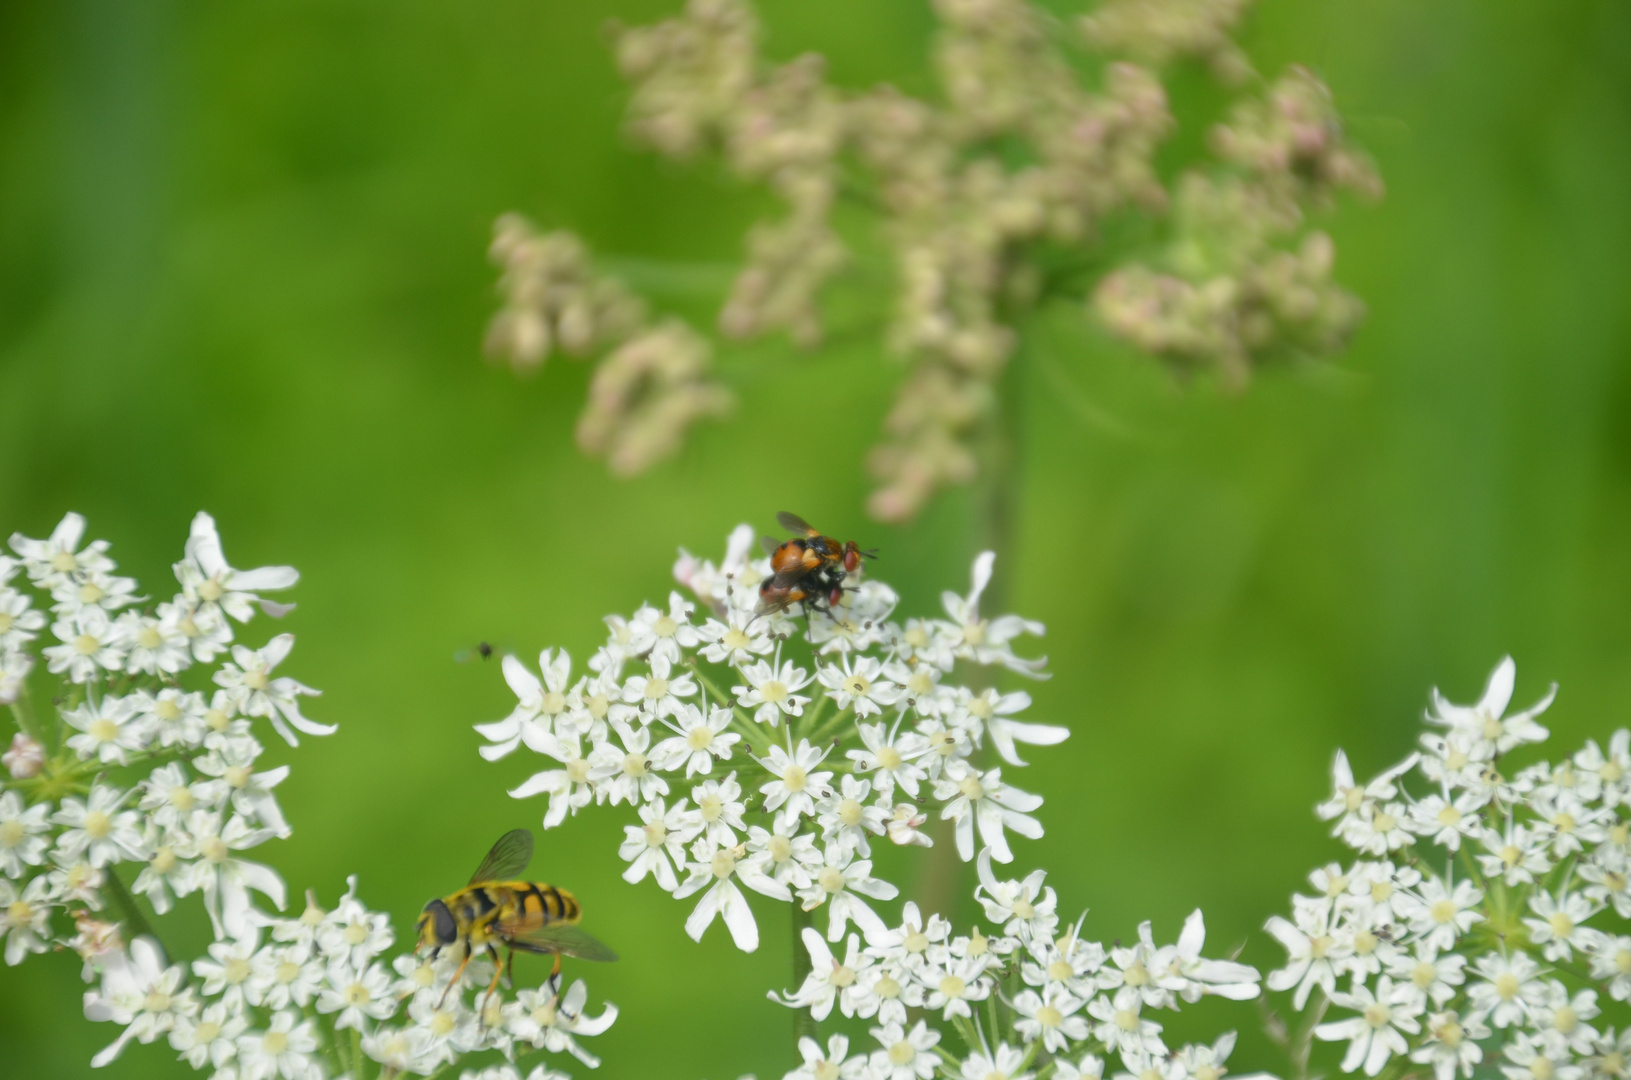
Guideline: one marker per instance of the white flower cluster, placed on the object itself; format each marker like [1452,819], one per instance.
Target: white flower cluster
[280,1000]
[136,755]
[988,197]
[1050,1000]
[1484,922]
[143,752]
[766,751]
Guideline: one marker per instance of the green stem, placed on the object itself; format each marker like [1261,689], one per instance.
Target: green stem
[356,1054]
[819,735]
[135,922]
[804,1025]
[23,711]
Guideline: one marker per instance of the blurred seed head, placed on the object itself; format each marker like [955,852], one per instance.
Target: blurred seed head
[1017,160]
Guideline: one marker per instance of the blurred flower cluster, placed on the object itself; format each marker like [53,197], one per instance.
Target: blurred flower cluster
[1484,923]
[773,749]
[135,773]
[990,200]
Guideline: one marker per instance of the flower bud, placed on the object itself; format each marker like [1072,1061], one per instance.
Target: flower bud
[25,758]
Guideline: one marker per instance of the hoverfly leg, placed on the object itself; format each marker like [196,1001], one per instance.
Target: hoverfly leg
[457,975]
[498,973]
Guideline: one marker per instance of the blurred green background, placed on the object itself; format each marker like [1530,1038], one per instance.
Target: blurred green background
[242,268]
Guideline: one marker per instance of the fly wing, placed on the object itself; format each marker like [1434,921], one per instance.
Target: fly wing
[770,544]
[508,857]
[795,524]
[563,938]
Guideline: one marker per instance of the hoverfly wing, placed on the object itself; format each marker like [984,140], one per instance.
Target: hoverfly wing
[508,857]
[769,544]
[795,524]
[563,938]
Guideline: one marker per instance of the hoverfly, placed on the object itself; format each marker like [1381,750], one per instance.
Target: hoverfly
[809,568]
[525,916]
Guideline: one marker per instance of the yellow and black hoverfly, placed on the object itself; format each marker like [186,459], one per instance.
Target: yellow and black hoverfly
[525,916]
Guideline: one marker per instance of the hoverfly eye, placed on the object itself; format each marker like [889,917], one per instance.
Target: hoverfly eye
[442,919]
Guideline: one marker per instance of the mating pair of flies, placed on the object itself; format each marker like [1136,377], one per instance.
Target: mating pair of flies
[808,569]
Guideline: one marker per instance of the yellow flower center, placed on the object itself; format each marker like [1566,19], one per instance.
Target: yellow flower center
[103,730]
[1449,817]
[656,834]
[902,1053]
[634,764]
[256,679]
[210,591]
[274,1043]
[656,688]
[1377,1014]
[795,779]
[851,812]
[700,737]
[98,825]
[952,986]
[11,833]
[1048,1016]
[723,864]
[889,758]
[774,691]
[1506,986]
[1059,971]
[736,640]
[971,789]
[830,879]
[887,988]
[1136,975]
[1442,911]
[149,638]
[19,912]
[87,645]
[1562,925]
[842,976]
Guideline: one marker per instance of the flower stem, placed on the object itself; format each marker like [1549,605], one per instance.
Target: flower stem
[804,1025]
[135,922]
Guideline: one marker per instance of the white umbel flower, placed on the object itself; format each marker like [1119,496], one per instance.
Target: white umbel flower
[254,692]
[1378,1032]
[206,578]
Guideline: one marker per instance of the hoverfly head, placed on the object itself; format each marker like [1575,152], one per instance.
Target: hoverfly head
[436,926]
